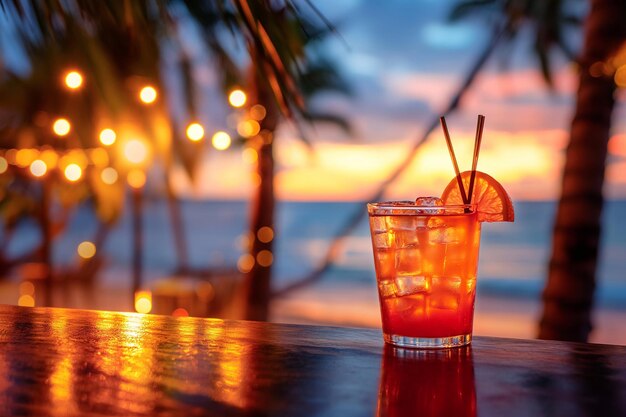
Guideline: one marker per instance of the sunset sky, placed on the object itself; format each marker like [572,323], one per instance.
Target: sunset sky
[404,60]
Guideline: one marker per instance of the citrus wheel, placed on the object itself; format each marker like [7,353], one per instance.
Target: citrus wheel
[493,203]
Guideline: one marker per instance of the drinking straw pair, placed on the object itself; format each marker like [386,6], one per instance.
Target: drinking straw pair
[467,198]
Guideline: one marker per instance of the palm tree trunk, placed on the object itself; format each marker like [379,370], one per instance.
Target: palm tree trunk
[257,283]
[568,295]
[178,225]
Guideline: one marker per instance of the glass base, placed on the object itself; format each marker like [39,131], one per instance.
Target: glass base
[428,342]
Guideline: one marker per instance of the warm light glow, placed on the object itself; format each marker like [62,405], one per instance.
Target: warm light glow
[248,128]
[250,155]
[258,112]
[136,178]
[24,157]
[4,165]
[237,98]
[265,258]
[99,157]
[148,94]
[61,127]
[73,80]
[27,288]
[245,263]
[107,137]
[109,175]
[50,158]
[135,151]
[221,140]
[26,301]
[143,302]
[180,312]
[86,250]
[195,132]
[38,168]
[73,172]
[265,234]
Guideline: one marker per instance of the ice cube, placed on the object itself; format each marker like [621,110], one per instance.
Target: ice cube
[383,239]
[428,201]
[408,260]
[452,283]
[444,299]
[429,205]
[406,238]
[378,224]
[401,222]
[385,263]
[387,288]
[412,284]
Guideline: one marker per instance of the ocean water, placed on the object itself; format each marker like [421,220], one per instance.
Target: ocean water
[513,256]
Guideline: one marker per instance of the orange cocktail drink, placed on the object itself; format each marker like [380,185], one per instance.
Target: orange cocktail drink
[426,258]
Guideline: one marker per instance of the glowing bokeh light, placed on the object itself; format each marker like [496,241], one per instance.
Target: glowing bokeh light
[86,249]
[109,175]
[148,94]
[136,178]
[73,172]
[73,80]
[258,112]
[24,157]
[26,300]
[143,302]
[38,168]
[4,165]
[237,98]
[27,288]
[265,234]
[107,137]
[248,128]
[221,140]
[135,151]
[99,157]
[61,127]
[249,155]
[50,158]
[245,263]
[265,258]
[195,132]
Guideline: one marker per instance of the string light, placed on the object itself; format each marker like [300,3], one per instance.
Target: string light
[135,151]
[61,127]
[4,165]
[109,175]
[258,112]
[73,172]
[148,94]
[136,178]
[248,128]
[73,80]
[237,98]
[265,258]
[86,249]
[245,263]
[195,132]
[143,302]
[265,234]
[107,137]
[38,168]
[250,155]
[221,140]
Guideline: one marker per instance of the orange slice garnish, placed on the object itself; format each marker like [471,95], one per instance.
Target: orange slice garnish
[493,203]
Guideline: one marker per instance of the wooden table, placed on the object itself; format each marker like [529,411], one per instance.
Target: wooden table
[57,362]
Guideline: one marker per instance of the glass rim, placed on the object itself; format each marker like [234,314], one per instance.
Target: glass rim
[406,208]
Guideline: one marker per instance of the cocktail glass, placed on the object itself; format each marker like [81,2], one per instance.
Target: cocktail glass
[426,258]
